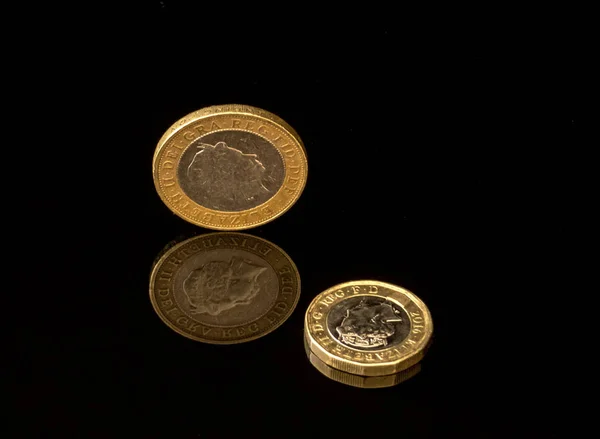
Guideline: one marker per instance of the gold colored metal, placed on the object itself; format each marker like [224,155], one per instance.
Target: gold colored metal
[280,158]
[224,287]
[363,382]
[368,328]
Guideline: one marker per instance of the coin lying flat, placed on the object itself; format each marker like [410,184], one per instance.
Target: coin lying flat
[224,287]
[368,328]
[230,167]
[364,382]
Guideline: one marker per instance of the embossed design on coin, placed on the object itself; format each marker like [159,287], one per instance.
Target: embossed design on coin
[218,286]
[231,170]
[369,324]
[368,328]
[224,287]
[230,167]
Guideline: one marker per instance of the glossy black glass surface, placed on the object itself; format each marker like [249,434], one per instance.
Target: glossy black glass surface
[428,168]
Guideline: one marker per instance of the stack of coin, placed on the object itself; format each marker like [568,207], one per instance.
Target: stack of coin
[367,333]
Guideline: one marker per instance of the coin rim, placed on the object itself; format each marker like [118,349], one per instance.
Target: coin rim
[368,382]
[371,369]
[240,109]
[194,116]
[176,247]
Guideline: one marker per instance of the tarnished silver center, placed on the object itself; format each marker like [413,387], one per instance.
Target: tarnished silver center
[231,170]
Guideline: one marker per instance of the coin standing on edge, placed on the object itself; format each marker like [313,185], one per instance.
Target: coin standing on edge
[224,288]
[368,328]
[230,167]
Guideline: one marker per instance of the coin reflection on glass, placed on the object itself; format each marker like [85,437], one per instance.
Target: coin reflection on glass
[224,288]
[364,382]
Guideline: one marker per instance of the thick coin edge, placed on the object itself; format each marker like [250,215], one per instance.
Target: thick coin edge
[360,381]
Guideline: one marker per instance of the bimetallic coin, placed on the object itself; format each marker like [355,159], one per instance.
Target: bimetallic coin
[224,287]
[230,167]
[364,382]
[368,328]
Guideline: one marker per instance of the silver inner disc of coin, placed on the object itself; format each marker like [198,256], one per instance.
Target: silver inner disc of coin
[231,170]
[368,323]
[225,287]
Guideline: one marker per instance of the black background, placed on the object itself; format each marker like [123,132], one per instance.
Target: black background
[436,162]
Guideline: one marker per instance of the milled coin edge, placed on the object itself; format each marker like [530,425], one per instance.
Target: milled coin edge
[212,110]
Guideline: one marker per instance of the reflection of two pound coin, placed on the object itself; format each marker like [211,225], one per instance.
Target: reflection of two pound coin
[224,287]
[230,167]
[368,328]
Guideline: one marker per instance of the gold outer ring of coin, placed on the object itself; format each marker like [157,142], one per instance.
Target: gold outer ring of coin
[170,312]
[390,359]
[363,382]
[185,131]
